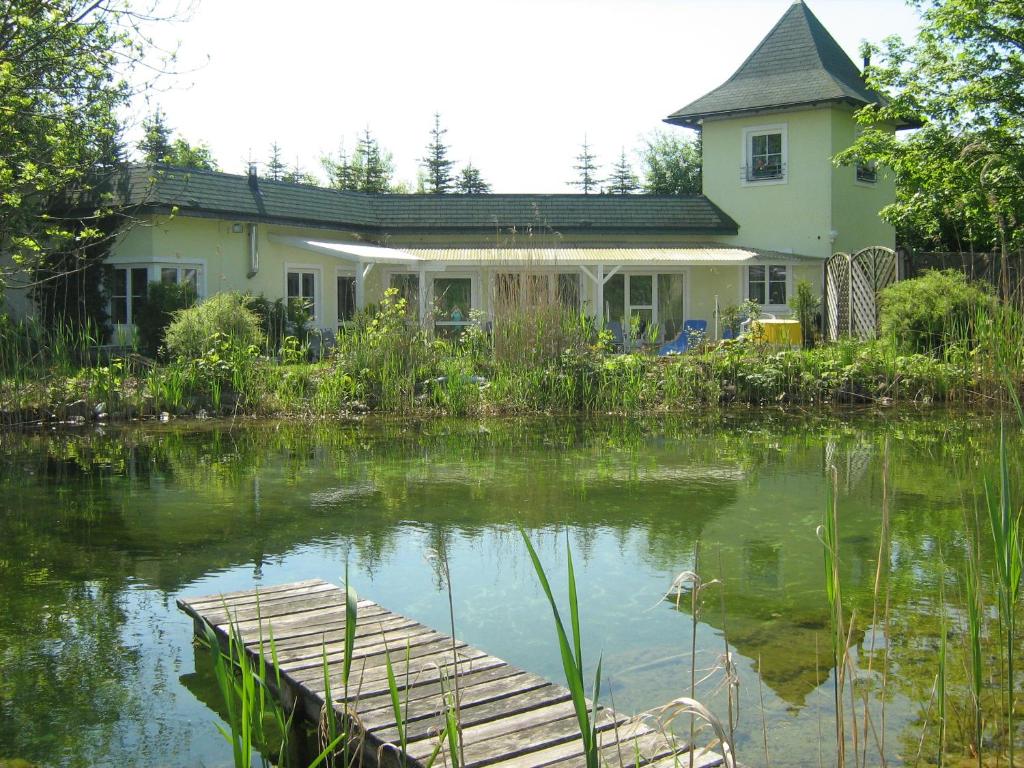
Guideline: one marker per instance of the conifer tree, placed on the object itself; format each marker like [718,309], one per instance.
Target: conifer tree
[371,166]
[339,169]
[298,175]
[156,138]
[437,164]
[470,182]
[276,168]
[587,179]
[623,181]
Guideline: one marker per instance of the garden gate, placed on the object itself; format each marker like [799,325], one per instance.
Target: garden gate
[852,285]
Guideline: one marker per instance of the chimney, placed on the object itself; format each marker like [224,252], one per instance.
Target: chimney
[253,178]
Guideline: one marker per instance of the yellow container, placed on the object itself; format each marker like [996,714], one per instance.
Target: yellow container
[785,333]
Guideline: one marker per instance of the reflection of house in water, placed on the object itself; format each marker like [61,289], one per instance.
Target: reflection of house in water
[770,561]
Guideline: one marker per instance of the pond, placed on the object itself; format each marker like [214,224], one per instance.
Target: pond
[100,532]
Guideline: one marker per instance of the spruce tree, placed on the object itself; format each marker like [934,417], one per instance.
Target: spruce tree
[340,174]
[587,179]
[276,168]
[156,138]
[623,181]
[371,166]
[437,164]
[470,182]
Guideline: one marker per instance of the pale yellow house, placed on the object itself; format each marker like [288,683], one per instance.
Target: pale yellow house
[773,209]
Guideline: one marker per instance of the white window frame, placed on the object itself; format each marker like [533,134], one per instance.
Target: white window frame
[747,154]
[870,165]
[771,308]
[318,282]
[153,267]
[474,295]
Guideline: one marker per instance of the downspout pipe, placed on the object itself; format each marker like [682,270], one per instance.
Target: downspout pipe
[254,250]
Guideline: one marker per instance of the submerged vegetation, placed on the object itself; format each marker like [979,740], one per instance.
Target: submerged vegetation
[943,341]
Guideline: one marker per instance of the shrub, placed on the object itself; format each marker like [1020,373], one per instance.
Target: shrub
[805,306]
[157,311]
[933,312]
[223,316]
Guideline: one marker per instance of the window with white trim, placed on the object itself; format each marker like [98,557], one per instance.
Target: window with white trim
[301,291]
[867,172]
[767,284]
[181,276]
[127,292]
[765,153]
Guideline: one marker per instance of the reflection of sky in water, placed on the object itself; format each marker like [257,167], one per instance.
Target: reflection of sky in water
[210,515]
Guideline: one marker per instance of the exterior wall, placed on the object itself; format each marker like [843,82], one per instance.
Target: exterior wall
[223,257]
[815,203]
[790,216]
[855,204]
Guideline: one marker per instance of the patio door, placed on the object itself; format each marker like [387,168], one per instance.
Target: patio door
[631,300]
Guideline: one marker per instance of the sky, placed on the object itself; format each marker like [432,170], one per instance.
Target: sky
[519,84]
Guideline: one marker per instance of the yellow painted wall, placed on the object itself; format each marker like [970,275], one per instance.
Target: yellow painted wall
[855,205]
[791,217]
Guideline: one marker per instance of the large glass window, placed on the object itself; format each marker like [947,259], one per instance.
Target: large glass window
[181,276]
[670,305]
[629,301]
[569,290]
[346,298]
[127,293]
[767,284]
[302,291]
[408,287]
[453,298]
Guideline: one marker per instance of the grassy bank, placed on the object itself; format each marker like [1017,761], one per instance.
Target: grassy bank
[536,360]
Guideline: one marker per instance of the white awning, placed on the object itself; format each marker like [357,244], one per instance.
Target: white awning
[709,255]
[354,252]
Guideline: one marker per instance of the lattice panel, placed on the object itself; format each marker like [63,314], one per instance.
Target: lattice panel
[852,285]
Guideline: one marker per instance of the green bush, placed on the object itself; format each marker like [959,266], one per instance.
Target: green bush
[223,317]
[157,311]
[934,312]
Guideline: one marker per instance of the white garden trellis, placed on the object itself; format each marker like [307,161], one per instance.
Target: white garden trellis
[852,285]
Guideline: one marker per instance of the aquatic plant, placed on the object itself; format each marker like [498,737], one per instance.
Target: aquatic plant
[572,656]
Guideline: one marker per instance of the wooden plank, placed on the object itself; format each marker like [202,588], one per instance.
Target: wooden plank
[300,636]
[496,678]
[243,593]
[552,755]
[373,653]
[523,743]
[216,602]
[508,717]
[478,705]
[301,621]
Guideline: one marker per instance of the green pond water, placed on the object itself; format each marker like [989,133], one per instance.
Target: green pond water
[100,533]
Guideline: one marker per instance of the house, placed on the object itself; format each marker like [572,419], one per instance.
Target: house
[773,208]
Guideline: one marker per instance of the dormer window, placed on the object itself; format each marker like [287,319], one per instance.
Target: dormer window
[764,151]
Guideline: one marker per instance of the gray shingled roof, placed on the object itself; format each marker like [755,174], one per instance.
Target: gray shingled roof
[797,63]
[208,193]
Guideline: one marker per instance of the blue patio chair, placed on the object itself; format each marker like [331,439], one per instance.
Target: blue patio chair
[728,334]
[693,331]
[618,338]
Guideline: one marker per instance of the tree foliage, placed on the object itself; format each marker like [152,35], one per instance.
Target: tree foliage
[586,167]
[439,167]
[622,180]
[470,182]
[369,170]
[275,167]
[961,176]
[61,86]
[672,164]
[159,145]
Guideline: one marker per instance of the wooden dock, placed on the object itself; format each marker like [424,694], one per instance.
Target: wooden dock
[509,718]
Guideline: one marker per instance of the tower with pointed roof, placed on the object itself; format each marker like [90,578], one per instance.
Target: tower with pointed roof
[769,135]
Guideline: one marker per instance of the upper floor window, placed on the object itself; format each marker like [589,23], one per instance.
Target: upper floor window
[767,284]
[765,153]
[867,172]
